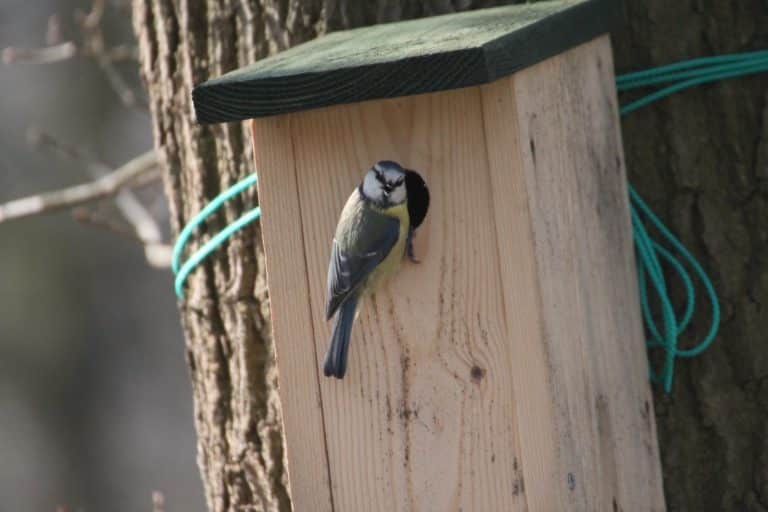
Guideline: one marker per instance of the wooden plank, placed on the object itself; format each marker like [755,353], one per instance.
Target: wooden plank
[404,58]
[425,418]
[290,313]
[576,185]
[541,458]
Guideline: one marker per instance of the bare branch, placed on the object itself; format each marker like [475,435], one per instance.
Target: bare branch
[147,230]
[107,182]
[53,34]
[91,44]
[92,19]
[118,83]
[94,45]
[123,52]
[92,218]
[46,55]
[157,253]
[158,501]
[106,185]
[150,177]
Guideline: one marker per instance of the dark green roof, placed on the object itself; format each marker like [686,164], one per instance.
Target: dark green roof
[403,58]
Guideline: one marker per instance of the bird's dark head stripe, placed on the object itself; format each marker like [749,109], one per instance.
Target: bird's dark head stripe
[386,165]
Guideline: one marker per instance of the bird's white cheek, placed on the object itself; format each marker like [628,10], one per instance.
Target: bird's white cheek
[397,196]
[370,189]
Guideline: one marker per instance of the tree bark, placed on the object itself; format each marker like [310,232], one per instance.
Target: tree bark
[699,157]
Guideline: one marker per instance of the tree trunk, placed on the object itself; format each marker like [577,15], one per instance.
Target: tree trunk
[699,158]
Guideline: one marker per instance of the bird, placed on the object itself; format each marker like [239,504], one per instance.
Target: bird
[374,233]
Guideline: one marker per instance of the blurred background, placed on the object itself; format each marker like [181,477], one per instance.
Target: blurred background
[95,406]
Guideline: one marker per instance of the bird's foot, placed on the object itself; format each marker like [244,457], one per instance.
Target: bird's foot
[410,253]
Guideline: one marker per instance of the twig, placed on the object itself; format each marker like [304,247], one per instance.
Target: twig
[47,55]
[38,138]
[91,45]
[118,83]
[157,254]
[92,218]
[149,178]
[53,31]
[147,229]
[106,181]
[92,19]
[158,501]
[104,186]
[123,52]
[94,45]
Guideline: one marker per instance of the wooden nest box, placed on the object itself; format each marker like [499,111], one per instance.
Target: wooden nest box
[506,371]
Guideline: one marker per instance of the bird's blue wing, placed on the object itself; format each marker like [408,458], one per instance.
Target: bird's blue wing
[348,270]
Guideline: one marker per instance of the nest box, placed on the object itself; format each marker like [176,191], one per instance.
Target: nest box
[506,371]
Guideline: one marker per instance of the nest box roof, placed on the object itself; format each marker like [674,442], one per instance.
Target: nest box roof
[404,58]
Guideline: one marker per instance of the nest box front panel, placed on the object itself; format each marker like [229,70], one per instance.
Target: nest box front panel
[427,405]
[431,346]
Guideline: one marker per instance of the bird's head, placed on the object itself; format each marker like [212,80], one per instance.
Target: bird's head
[384,184]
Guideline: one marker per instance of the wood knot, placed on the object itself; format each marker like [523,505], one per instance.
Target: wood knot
[477,374]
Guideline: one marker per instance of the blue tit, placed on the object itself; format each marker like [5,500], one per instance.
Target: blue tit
[373,234]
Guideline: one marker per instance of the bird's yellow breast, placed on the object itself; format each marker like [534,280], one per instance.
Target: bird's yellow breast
[392,262]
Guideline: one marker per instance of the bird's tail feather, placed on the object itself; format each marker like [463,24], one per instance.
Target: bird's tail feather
[336,359]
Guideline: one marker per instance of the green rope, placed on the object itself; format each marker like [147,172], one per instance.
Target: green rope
[650,252]
[700,63]
[748,69]
[182,270]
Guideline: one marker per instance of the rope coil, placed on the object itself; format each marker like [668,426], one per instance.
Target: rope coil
[181,271]
[651,253]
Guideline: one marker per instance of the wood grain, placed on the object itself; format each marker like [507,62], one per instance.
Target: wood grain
[541,452]
[292,328]
[568,132]
[424,419]
[507,370]
[404,58]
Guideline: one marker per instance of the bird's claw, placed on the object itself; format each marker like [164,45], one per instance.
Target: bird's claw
[410,253]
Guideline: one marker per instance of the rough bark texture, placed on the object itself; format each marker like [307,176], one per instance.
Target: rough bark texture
[699,157]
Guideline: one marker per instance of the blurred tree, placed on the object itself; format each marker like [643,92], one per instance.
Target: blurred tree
[94,396]
[700,157]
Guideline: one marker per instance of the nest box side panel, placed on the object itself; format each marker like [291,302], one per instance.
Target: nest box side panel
[570,145]
[425,417]
[292,327]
